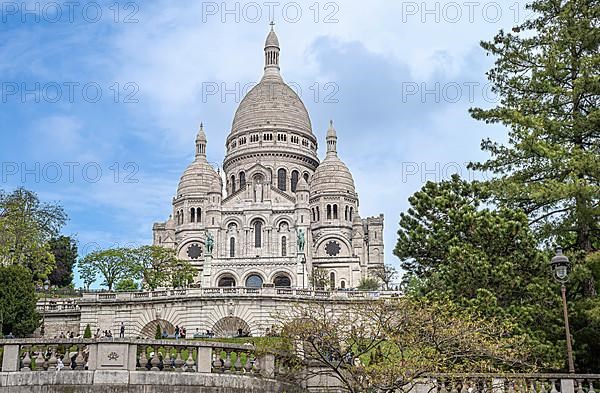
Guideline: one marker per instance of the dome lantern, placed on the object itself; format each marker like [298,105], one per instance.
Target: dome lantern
[272,53]
[201,142]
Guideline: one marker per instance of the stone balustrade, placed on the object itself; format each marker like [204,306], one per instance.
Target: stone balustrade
[513,383]
[236,291]
[27,355]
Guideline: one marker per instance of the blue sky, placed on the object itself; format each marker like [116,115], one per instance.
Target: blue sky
[101,101]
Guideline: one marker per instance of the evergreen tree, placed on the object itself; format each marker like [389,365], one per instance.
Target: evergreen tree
[64,250]
[484,260]
[88,331]
[546,75]
[18,300]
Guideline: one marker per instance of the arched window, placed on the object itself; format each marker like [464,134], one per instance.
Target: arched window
[295,175]
[282,280]
[346,213]
[198,215]
[281,179]
[192,215]
[232,247]
[329,212]
[318,214]
[332,280]
[335,212]
[242,180]
[314,215]
[258,234]
[232,184]
[351,218]
[343,284]
[254,281]
[226,281]
[306,177]
[284,246]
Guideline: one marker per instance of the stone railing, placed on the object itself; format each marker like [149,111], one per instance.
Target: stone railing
[239,292]
[26,355]
[511,383]
[58,305]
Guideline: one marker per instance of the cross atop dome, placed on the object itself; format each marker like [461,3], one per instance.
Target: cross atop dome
[272,25]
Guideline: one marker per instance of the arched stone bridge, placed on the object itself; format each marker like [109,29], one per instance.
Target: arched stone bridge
[222,311]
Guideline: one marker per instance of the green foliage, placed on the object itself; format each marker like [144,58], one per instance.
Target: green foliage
[112,265]
[64,250]
[158,333]
[18,314]
[160,267]
[485,260]
[88,331]
[26,226]
[546,75]
[126,285]
[387,345]
[368,284]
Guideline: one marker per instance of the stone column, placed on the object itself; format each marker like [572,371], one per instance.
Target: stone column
[10,358]
[267,365]
[206,273]
[204,360]
[301,279]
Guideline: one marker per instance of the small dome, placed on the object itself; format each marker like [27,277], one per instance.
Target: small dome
[302,185]
[199,178]
[332,176]
[170,224]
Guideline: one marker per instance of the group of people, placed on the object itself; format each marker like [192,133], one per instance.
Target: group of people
[68,335]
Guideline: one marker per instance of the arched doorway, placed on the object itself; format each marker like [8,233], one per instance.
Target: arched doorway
[149,330]
[231,327]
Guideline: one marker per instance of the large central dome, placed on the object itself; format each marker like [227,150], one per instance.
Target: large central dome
[271,103]
[271,125]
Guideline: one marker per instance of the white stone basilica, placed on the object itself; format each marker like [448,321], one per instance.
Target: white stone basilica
[282,212]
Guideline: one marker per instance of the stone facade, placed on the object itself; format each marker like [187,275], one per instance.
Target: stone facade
[280,212]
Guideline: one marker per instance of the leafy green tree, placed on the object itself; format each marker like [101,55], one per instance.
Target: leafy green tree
[126,285]
[112,265]
[88,331]
[26,227]
[182,274]
[368,284]
[18,300]
[483,259]
[155,265]
[157,333]
[546,76]
[88,273]
[64,250]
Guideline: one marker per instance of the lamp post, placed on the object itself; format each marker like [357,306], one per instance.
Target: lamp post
[560,268]
[46,287]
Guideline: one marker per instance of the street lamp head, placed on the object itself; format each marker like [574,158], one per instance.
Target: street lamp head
[46,284]
[560,266]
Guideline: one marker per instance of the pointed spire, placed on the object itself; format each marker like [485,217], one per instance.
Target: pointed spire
[201,142]
[272,53]
[331,139]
